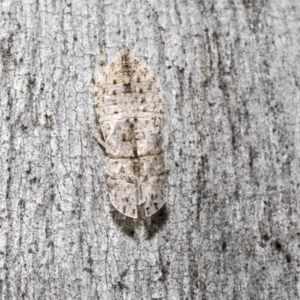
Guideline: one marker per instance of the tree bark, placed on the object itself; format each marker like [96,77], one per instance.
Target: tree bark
[229,77]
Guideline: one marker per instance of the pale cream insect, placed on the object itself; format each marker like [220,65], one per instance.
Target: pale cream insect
[129,110]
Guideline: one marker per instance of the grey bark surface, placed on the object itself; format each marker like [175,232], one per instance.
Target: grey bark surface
[229,75]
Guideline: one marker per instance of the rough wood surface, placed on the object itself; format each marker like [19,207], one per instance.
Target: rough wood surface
[229,76]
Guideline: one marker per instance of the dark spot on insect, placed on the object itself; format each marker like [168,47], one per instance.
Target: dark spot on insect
[126,199]
[124,209]
[138,79]
[135,119]
[143,100]
[150,86]
[115,81]
[133,212]
[115,112]
[114,93]
[156,205]
[288,258]
[141,91]
[127,88]
[147,209]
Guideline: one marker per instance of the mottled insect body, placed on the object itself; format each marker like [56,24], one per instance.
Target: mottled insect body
[129,110]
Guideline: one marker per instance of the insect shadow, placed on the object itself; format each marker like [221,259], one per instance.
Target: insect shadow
[151,225]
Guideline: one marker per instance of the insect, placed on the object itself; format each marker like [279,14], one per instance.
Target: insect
[129,111]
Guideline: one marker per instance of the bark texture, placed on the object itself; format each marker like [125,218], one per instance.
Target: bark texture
[229,74]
